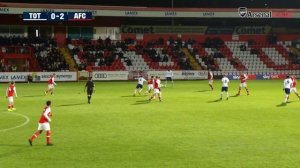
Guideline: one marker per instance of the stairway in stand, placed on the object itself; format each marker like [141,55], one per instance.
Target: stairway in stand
[193,61]
[65,52]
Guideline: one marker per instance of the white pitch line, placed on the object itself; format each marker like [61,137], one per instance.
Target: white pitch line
[18,126]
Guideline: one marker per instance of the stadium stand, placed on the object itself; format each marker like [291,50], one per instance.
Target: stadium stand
[101,55]
[138,55]
[127,55]
[50,58]
[215,54]
[41,53]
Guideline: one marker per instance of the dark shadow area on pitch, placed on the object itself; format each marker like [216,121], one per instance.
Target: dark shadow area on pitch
[203,90]
[33,96]
[236,96]
[281,105]
[135,96]
[140,102]
[284,104]
[73,104]
[215,101]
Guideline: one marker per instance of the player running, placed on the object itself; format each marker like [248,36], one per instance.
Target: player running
[10,93]
[243,84]
[210,77]
[225,82]
[287,83]
[169,77]
[90,88]
[139,86]
[51,84]
[44,125]
[294,84]
[150,84]
[157,91]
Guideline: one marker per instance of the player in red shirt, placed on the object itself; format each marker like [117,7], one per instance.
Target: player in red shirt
[44,124]
[157,91]
[51,84]
[210,77]
[150,84]
[10,93]
[243,84]
[293,87]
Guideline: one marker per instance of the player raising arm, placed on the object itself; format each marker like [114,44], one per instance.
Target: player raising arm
[51,84]
[10,93]
[44,125]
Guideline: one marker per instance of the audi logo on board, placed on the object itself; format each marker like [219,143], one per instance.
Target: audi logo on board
[100,75]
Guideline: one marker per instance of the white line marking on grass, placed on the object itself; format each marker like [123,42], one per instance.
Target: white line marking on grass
[18,126]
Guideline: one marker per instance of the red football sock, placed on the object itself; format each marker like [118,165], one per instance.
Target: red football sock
[48,135]
[35,135]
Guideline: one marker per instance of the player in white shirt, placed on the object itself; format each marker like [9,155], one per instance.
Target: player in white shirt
[287,84]
[139,86]
[169,77]
[225,82]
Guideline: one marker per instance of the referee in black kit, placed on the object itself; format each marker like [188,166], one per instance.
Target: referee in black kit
[90,88]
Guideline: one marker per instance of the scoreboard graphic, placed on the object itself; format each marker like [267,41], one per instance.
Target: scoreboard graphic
[57,16]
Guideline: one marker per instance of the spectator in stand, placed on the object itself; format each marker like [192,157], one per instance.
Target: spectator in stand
[157,57]
[128,62]
[171,41]
[14,68]
[107,41]
[101,62]
[49,57]
[243,47]
[100,41]
[161,41]
[165,58]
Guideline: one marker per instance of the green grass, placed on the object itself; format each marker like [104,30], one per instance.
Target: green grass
[190,128]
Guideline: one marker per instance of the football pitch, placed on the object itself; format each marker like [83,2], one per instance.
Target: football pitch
[190,128]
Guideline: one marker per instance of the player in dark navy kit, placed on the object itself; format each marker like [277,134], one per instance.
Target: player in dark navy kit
[90,88]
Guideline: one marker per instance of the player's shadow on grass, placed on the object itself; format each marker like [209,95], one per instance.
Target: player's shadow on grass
[215,101]
[140,102]
[71,104]
[235,96]
[284,104]
[281,105]
[203,90]
[135,96]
